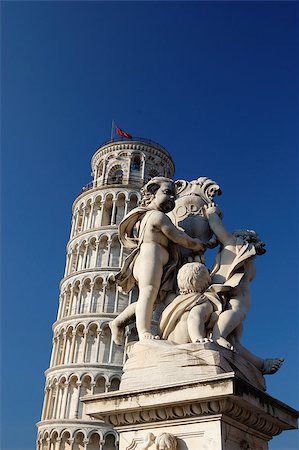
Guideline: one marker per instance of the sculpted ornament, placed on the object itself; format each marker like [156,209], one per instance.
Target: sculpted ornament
[188,213]
[164,441]
[168,235]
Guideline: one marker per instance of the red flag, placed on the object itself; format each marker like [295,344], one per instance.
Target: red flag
[122,133]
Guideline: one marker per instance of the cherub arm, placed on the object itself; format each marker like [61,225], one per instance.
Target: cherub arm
[213,215]
[179,237]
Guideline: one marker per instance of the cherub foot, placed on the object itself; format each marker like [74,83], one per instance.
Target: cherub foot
[271,366]
[147,335]
[117,333]
[224,343]
[203,340]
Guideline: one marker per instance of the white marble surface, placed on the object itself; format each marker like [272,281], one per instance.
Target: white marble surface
[219,412]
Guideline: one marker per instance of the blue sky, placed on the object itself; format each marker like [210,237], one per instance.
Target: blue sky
[216,83]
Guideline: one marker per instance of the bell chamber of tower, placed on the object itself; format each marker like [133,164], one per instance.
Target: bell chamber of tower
[130,163]
[84,358]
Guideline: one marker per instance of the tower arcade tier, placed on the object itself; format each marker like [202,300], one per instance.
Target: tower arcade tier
[84,359]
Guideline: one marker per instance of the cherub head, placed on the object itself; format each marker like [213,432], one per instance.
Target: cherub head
[193,277]
[160,193]
[166,441]
[251,237]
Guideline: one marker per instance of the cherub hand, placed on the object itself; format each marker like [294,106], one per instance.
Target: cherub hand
[198,246]
[212,243]
[212,208]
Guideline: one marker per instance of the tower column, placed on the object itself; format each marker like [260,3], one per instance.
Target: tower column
[109,242]
[85,339]
[77,399]
[76,216]
[72,351]
[110,349]
[70,256]
[92,287]
[73,261]
[64,348]
[49,403]
[97,251]
[104,296]
[72,299]
[101,213]
[98,343]
[61,306]
[83,218]
[57,444]
[56,400]
[78,305]
[127,202]
[53,352]
[90,224]
[64,400]
[84,261]
[76,266]
[116,299]
[66,304]
[46,401]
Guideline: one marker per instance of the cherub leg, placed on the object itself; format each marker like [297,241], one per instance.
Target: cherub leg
[227,322]
[117,326]
[267,366]
[144,310]
[271,365]
[197,319]
[148,274]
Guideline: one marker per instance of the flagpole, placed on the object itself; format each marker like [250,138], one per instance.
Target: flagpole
[112,129]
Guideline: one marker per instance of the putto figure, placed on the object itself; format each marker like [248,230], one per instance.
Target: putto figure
[234,266]
[153,260]
[187,317]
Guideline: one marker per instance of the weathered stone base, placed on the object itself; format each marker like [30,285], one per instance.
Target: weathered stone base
[157,363]
[220,412]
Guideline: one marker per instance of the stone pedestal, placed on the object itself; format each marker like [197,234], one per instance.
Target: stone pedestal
[158,363]
[212,411]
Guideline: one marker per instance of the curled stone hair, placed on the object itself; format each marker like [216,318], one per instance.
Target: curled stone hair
[247,235]
[166,441]
[151,187]
[193,277]
[251,237]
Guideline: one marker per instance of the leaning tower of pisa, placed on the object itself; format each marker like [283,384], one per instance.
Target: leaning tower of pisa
[84,359]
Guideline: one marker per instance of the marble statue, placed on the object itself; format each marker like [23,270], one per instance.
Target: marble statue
[212,307]
[192,384]
[192,315]
[234,265]
[154,257]
[176,222]
[186,318]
